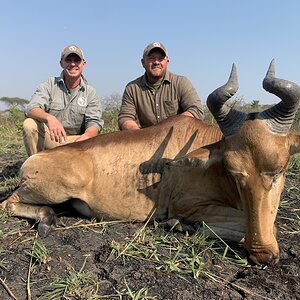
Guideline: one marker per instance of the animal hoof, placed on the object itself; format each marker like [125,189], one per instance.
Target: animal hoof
[43,230]
[264,259]
[47,220]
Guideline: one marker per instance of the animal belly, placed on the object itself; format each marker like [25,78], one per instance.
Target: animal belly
[131,198]
[123,208]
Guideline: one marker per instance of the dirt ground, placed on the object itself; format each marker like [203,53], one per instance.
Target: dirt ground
[71,246]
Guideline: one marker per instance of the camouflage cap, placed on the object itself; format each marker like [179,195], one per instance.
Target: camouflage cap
[154,45]
[72,49]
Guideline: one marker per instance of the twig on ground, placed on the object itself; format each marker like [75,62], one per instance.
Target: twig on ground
[76,225]
[138,233]
[11,294]
[29,270]
[19,237]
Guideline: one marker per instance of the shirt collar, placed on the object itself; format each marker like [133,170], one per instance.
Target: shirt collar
[166,78]
[82,85]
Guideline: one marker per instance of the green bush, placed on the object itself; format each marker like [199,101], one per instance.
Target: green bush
[16,114]
[110,118]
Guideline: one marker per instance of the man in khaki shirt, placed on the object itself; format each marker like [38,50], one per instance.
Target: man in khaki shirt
[158,94]
[63,109]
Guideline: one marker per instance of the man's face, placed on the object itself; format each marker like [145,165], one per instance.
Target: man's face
[155,64]
[73,65]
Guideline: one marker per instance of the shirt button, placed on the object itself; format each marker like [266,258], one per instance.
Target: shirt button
[158,117]
[156,104]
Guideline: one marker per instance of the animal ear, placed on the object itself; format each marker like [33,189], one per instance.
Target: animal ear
[200,157]
[205,153]
[294,143]
[189,162]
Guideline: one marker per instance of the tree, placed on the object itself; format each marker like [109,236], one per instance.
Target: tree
[296,123]
[14,102]
[255,104]
[112,101]
[111,108]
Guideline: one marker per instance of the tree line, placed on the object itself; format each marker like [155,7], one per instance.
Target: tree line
[111,104]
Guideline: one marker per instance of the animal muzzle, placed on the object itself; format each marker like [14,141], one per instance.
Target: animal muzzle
[264,255]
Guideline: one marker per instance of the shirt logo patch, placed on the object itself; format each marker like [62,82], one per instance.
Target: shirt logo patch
[82,101]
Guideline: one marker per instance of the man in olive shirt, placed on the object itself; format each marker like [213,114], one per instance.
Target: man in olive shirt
[63,109]
[158,94]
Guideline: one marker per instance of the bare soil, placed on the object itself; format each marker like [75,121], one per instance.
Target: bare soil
[70,247]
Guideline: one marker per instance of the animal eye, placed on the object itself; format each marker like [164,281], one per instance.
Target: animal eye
[270,178]
[273,175]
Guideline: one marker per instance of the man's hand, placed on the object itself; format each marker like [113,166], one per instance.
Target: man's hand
[57,131]
[188,114]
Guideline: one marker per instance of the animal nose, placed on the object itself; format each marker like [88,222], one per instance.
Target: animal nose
[264,258]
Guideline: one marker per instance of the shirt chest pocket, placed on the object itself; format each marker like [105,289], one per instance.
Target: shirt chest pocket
[77,114]
[56,109]
[76,109]
[171,107]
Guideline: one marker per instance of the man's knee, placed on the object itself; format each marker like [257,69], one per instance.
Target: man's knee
[33,136]
[30,126]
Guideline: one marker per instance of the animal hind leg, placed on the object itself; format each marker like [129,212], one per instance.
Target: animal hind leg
[43,215]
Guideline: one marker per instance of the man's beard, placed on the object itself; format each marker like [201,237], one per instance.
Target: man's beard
[157,72]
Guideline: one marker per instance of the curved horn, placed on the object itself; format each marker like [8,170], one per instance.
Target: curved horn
[228,119]
[280,117]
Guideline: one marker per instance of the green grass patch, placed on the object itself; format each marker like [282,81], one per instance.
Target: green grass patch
[11,140]
[141,294]
[4,216]
[39,253]
[292,225]
[183,254]
[75,285]
[294,166]
[295,227]
[9,184]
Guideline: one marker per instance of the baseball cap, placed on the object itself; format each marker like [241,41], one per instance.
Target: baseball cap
[153,46]
[72,49]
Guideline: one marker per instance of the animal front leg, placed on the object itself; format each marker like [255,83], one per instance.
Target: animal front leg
[214,220]
[43,215]
[225,230]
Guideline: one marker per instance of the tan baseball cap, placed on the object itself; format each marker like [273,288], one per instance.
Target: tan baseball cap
[153,46]
[72,49]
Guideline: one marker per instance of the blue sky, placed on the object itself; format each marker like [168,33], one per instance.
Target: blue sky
[204,38]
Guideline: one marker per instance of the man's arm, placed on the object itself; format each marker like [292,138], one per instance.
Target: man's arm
[93,115]
[190,102]
[129,125]
[39,104]
[89,133]
[127,115]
